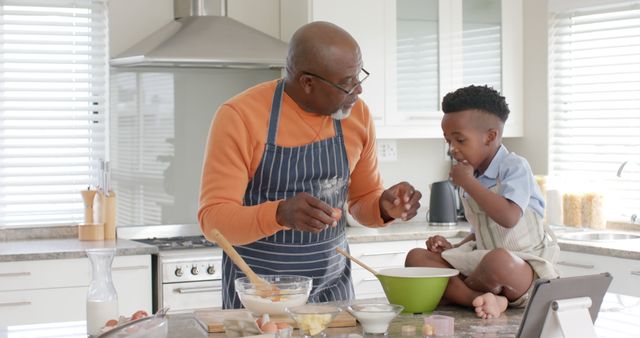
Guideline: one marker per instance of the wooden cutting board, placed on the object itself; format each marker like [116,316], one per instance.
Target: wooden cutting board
[212,320]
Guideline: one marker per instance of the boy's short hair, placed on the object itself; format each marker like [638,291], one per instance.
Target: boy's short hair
[482,98]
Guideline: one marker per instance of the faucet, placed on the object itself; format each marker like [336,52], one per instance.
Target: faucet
[634,217]
[619,174]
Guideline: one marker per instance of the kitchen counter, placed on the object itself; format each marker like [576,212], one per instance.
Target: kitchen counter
[629,249]
[27,248]
[65,248]
[617,318]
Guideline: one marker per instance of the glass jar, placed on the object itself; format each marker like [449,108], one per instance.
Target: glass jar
[102,299]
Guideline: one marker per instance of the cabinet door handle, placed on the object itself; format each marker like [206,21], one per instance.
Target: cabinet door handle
[128,268]
[14,304]
[384,253]
[577,265]
[199,289]
[15,274]
[635,273]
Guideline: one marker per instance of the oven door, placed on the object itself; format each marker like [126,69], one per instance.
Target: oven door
[190,296]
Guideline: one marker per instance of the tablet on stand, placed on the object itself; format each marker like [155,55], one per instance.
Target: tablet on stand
[564,307]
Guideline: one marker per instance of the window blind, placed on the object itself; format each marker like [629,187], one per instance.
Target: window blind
[482,43]
[594,82]
[481,55]
[53,73]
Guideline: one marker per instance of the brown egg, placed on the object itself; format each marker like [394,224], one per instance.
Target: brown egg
[111,322]
[139,314]
[269,327]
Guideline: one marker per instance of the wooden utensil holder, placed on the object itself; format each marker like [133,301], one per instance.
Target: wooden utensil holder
[91,232]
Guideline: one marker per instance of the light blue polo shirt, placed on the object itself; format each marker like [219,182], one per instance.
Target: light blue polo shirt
[517,183]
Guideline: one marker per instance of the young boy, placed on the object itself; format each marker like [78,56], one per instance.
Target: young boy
[509,246]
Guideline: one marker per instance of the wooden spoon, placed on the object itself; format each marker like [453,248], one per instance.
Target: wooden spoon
[357,261]
[264,288]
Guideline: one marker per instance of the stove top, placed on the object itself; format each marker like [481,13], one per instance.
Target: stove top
[181,242]
[166,237]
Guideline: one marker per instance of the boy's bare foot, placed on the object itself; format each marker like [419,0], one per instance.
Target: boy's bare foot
[490,305]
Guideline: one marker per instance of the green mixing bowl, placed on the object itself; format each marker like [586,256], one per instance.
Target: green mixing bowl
[419,290]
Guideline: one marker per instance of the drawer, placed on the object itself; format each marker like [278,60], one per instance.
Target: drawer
[625,272]
[365,283]
[57,273]
[42,306]
[383,254]
[25,275]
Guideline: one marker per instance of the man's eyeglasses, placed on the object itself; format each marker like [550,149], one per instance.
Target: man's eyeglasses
[352,88]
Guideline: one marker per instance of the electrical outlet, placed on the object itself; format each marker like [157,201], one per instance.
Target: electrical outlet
[387,150]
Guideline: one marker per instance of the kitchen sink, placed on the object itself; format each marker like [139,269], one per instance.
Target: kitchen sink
[597,236]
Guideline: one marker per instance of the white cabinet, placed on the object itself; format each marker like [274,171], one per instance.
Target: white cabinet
[370,22]
[56,290]
[625,272]
[419,50]
[378,255]
[132,279]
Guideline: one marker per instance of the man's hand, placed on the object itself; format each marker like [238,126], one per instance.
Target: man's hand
[400,201]
[438,244]
[304,212]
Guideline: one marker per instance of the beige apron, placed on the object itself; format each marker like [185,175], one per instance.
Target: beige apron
[530,240]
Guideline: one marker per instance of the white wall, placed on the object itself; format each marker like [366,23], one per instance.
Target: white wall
[132,20]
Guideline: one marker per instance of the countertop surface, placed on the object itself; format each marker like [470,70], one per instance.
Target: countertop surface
[618,318]
[66,248]
[28,248]
[629,249]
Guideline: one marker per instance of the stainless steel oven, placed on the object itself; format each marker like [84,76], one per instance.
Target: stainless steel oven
[187,269]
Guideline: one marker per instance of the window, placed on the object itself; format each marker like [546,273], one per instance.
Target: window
[53,74]
[595,102]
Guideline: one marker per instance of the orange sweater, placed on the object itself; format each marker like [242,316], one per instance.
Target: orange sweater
[234,149]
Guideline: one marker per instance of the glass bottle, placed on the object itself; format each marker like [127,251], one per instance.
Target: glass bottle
[102,300]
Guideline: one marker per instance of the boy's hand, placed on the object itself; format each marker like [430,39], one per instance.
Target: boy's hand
[461,172]
[438,244]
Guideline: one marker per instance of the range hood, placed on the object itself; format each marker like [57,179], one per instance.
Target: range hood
[196,39]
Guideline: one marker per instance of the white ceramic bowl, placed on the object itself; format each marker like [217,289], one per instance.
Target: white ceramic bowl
[375,317]
[287,291]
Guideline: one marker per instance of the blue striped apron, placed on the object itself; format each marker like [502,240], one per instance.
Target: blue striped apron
[320,169]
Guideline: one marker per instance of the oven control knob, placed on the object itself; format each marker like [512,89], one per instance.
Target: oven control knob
[211,270]
[194,270]
[178,272]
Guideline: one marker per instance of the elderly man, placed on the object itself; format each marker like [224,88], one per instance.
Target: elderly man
[282,159]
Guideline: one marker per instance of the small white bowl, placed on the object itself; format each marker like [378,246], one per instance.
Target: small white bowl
[375,317]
